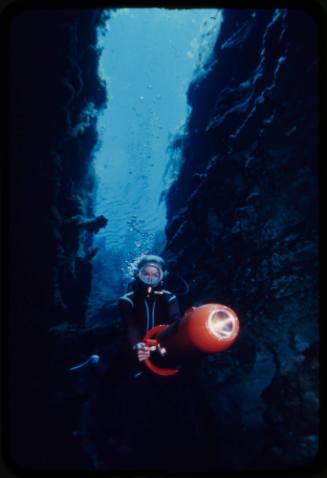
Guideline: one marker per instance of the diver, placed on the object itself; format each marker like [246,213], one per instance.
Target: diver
[121,423]
[147,304]
[122,394]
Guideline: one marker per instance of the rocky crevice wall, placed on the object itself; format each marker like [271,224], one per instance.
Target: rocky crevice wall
[54,95]
[243,230]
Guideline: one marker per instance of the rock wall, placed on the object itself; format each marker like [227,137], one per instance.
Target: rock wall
[54,95]
[243,230]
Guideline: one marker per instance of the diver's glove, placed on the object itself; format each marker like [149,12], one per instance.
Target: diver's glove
[142,351]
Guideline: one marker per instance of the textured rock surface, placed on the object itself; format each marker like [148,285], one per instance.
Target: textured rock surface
[243,230]
[54,94]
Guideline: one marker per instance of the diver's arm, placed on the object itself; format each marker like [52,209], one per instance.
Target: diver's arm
[126,310]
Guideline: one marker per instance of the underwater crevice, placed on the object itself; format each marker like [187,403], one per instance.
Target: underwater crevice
[242,230]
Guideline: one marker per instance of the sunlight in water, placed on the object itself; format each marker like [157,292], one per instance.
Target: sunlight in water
[149,57]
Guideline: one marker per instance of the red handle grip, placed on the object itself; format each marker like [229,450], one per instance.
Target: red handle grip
[149,341]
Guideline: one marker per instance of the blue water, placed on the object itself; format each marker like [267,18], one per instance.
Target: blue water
[149,57]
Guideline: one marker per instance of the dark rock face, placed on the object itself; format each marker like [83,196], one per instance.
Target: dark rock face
[54,98]
[243,230]
[54,95]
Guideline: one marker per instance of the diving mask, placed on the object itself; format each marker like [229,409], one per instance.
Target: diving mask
[151,274]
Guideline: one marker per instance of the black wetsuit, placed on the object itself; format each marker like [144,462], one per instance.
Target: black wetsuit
[142,310]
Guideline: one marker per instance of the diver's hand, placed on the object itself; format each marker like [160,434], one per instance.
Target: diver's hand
[142,351]
[143,354]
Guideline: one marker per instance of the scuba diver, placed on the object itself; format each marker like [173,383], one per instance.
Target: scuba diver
[148,303]
[134,414]
[120,415]
[145,305]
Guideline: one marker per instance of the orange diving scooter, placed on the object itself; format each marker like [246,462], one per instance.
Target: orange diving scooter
[207,329]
